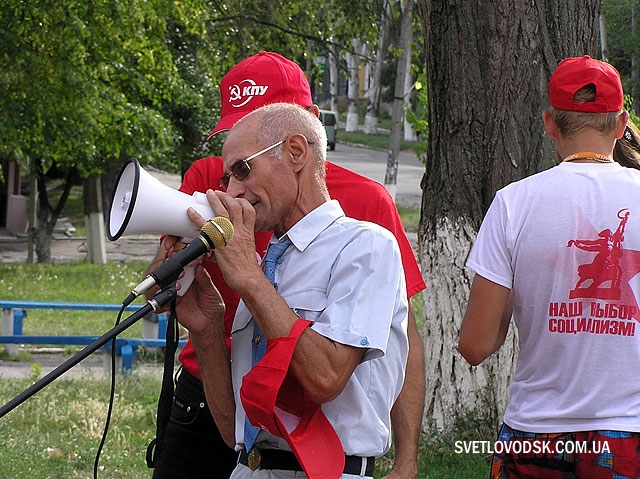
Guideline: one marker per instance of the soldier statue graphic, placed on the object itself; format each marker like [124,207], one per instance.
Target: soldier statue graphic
[601,278]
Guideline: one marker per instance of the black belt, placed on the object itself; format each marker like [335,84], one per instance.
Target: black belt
[286,461]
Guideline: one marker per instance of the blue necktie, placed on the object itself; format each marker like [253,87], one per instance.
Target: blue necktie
[259,344]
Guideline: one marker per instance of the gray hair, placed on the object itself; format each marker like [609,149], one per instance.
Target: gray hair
[278,121]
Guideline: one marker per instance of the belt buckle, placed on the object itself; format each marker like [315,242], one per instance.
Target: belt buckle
[254,458]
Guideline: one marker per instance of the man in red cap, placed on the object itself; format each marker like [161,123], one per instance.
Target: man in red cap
[331,302]
[193,445]
[560,250]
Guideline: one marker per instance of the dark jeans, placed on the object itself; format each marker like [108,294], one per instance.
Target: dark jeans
[193,445]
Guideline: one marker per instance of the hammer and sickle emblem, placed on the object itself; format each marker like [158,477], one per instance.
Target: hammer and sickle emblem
[234,93]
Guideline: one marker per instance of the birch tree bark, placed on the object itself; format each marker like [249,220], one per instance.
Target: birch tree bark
[353,91]
[373,107]
[397,113]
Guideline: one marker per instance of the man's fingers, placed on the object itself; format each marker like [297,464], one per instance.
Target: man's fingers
[219,209]
[195,217]
[238,210]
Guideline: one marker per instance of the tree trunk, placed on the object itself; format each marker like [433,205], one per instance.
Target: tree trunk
[373,107]
[604,49]
[409,132]
[353,93]
[391,174]
[48,214]
[488,66]
[333,80]
[94,220]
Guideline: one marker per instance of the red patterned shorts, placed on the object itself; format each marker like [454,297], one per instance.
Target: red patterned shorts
[572,455]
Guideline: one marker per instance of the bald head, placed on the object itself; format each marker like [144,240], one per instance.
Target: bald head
[277,121]
[281,149]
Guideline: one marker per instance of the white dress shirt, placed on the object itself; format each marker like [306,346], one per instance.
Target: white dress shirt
[346,276]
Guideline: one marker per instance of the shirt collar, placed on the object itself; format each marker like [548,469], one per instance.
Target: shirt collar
[308,228]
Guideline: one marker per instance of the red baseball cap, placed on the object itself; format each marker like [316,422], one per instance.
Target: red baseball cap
[274,401]
[572,74]
[257,81]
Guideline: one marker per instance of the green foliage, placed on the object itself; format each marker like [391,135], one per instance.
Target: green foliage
[86,85]
[82,81]
[622,41]
[418,117]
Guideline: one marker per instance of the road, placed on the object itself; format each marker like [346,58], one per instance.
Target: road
[373,164]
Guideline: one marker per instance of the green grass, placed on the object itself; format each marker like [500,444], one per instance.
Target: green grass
[410,218]
[74,282]
[56,433]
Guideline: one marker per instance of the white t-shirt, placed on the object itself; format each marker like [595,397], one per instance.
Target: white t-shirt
[347,277]
[567,242]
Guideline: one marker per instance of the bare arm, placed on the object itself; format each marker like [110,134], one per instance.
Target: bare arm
[406,414]
[486,320]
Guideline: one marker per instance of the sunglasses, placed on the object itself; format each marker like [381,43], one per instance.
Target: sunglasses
[241,169]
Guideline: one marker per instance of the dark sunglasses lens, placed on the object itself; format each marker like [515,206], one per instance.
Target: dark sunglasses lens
[224,181]
[240,170]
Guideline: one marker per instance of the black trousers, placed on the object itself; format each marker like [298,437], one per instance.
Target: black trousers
[193,445]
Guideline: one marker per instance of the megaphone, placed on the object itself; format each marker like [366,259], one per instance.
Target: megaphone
[142,204]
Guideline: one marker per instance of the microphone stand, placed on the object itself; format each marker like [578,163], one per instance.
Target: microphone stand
[158,302]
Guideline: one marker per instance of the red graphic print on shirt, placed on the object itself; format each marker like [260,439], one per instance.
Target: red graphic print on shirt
[601,278]
[602,301]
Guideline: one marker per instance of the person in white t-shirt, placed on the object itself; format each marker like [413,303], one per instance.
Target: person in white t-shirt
[562,249]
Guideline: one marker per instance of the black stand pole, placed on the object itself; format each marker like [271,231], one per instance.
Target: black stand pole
[158,302]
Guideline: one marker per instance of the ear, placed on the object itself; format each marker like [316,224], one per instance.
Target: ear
[621,124]
[314,110]
[550,125]
[298,147]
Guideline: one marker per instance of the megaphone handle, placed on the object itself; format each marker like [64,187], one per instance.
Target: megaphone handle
[187,279]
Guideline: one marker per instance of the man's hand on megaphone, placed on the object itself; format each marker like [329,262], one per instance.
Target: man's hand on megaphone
[237,260]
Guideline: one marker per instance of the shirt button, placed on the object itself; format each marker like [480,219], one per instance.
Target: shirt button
[364,341]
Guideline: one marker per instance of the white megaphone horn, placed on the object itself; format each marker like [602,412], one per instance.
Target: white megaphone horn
[142,204]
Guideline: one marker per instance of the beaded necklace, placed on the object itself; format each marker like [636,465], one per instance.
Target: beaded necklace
[589,155]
